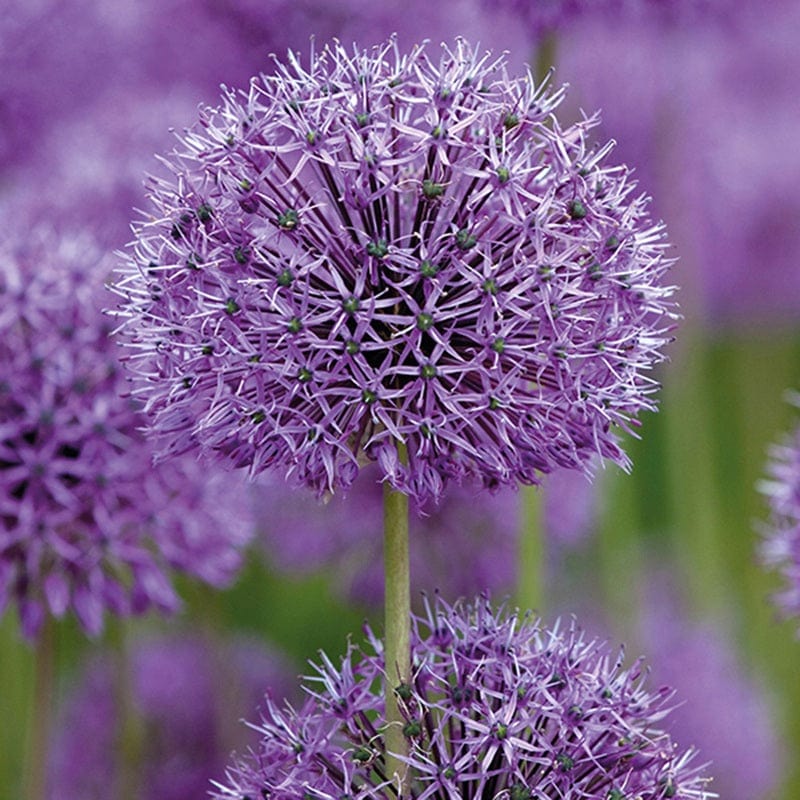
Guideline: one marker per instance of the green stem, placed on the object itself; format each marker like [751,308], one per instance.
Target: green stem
[43,701]
[397,623]
[545,58]
[531,550]
[130,729]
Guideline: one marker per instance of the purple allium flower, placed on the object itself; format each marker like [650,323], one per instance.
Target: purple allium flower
[87,522]
[780,546]
[184,689]
[467,542]
[385,247]
[497,707]
[724,712]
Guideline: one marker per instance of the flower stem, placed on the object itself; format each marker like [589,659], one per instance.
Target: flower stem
[531,550]
[397,610]
[129,732]
[43,701]
[545,58]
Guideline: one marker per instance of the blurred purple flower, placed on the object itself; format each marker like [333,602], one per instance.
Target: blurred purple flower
[180,686]
[468,542]
[87,522]
[384,248]
[68,59]
[498,707]
[570,507]
[545,16]
[724,712]
[780,546]
[720,101]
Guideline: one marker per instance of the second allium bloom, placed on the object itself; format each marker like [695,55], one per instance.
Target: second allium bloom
[385,247]
[497,707]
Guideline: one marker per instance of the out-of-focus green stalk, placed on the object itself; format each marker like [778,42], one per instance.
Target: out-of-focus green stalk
[129,734]
[35,776]
[618,547]
[761,367]
[697,524]
[530,577]
[545,58]
[397,613]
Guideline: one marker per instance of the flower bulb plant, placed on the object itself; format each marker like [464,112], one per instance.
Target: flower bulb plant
[382,249]
[497,706]
[400,259]
[88,524]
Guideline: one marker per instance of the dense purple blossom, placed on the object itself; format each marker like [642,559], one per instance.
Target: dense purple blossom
[780,546]
[86,522]
[387,247]
[185,690]
[724,712]
[497,707]
[467,542]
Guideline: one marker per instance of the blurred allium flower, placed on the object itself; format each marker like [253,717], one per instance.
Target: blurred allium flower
[708,115]
[570,507]
[543,16]
[466,543]
[780,546]
[384,247]
[180,686]
[87,522]
[724,712]
[498,707]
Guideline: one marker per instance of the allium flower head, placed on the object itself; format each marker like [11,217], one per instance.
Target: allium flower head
[497,707]
[780,546]
[87,523]
[385,247]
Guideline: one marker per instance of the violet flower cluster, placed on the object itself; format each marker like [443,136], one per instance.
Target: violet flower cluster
[780,545]
[185,690]
[383,248]
[87,523]
[497,707]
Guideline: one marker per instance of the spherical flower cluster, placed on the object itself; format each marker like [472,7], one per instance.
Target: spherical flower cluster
[497,707]
[780,546]
[86,522]
[461,545]
[384,248]
[181,687]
